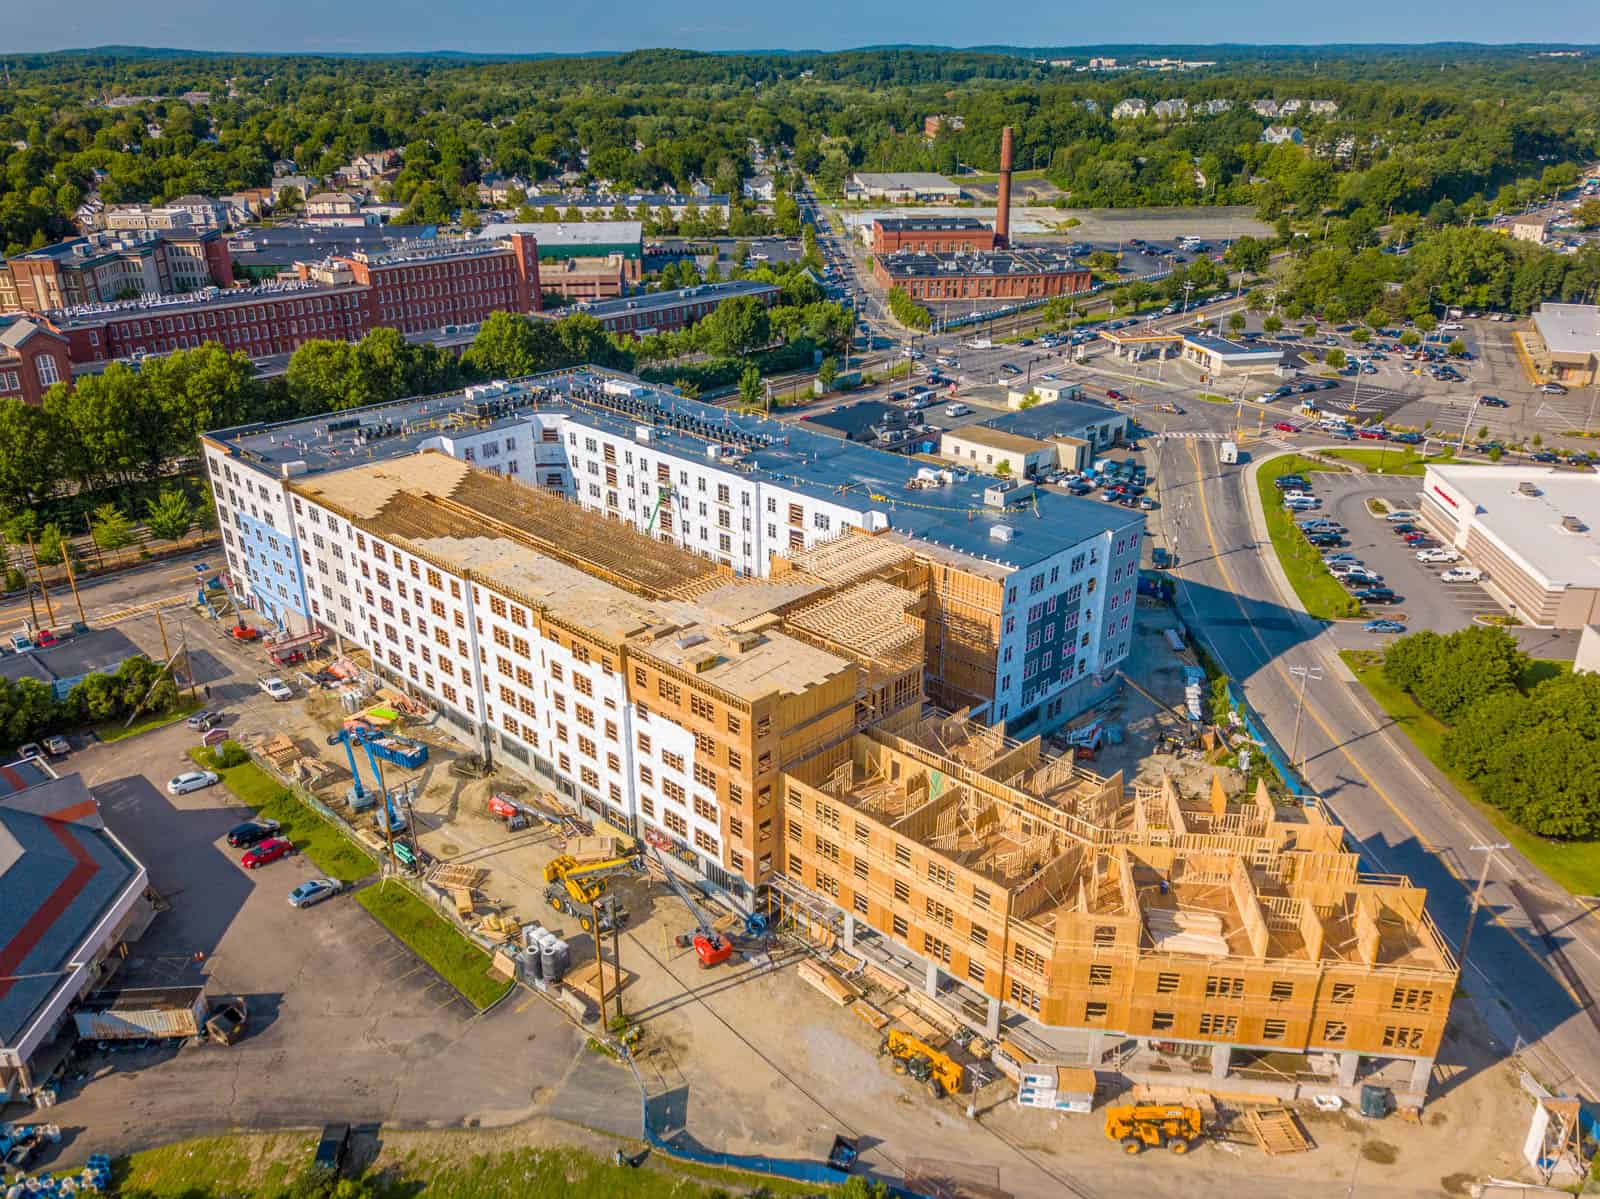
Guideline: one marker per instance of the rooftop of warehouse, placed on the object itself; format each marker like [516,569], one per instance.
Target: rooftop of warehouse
[996,439]
[953,517]
[1064,418]
[550,234]
[909,264]
[1531,525]
[657,301]
[932,224]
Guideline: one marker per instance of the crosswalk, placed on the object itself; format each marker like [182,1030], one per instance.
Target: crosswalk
[1189,435]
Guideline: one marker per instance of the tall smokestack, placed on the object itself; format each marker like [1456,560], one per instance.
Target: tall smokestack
[1002,212]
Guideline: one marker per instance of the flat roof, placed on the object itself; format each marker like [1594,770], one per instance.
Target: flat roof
[1569,328]
[787,454]
[81,654]
[631,200]
[914,264]
[996,439]
[1230,349]
[1529,527]
[659,301]
[1064,418]
[931,223]
[550,234]
[899,179]
[61,871]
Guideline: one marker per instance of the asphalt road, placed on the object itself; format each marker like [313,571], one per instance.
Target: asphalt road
[1535,955]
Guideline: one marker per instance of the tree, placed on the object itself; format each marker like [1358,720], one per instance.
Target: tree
[1409,339]
[751,392]
[111,530]
[30,454]
[169,515]
[1031,400]
[1272,324]
[1003,468]
[51,548]
[1427,322]
[508,345]
[735,327]
[1248,254]
[827,372]
[1361,336]
[1449,674]
[1456,348]
[1587,213]
[1335,358]
[1237,322]
[1309,329]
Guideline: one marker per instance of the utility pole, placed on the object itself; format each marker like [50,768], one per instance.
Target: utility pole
[616,954]
[43,589]
[1306,674]
[1488,852]
[599,961]
[72,580]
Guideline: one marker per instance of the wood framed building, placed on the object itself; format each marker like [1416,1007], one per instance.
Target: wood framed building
[1209,928]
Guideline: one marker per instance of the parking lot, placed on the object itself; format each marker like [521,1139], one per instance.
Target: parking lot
[344,1021]
[1424,602]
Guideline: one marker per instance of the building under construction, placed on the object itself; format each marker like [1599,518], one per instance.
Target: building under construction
[1132,926]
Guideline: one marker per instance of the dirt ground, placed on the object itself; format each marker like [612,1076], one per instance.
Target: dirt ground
[749,1058]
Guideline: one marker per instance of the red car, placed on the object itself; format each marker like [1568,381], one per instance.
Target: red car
[1115,395]
[269,850]
[46,639]
[1414,538]
[1284,426]
[1373,435]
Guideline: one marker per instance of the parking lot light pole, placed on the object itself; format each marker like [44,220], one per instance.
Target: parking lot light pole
[1306,674]
[1488,852]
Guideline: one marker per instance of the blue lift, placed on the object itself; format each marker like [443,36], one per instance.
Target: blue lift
[402,751]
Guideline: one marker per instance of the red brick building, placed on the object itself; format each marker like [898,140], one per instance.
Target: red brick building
[931,235]
[107,267]
[414,288]
[1009,275]
[33,357]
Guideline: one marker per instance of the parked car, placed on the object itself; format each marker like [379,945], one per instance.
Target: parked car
[1284,482]
[1493,402]
[313,891]
[1544,456]
[1403,527]
[1303,504]
[1373,435]
[46,639]
[1417,539]
[269,850]
[1438,554]
[1384,626]
[252,832]
[1114,395]
[1399,515]
[1377,595]
[57,746]
[30,750]
[201,721]
[1552,389]
[956,410]
[1345,557]
[1324,540]
[191,780]
[1284,426]
[1406,438]
[1461,574]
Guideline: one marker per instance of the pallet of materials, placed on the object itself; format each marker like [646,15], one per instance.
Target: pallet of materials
[1276,1130]
[824,980]
[879,977]
[446,876]
[585,980]
[870,1015]
[592,849]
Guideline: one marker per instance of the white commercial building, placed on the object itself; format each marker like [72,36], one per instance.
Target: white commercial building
[1532,530]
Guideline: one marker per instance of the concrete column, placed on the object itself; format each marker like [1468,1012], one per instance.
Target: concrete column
[991,1028]
[849,931]
[1221,1055]
[1421,1075]
[931,985]
[1348,1061]
[1096,1048]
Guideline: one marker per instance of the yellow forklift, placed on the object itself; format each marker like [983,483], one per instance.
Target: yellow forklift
[940,1073]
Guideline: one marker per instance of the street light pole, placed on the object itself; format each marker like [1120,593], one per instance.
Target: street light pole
[1306,674]
[1488,852]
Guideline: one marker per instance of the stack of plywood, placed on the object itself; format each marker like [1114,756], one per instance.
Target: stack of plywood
[1186,932]
[879,977]
[830,984]
[446,875]
[280,750]
[585,980]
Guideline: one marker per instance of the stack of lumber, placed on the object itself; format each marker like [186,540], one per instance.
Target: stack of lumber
[871,1015]
[826,981]
[1276,1131]
[499,928]
[930,1011]
[879,977]
[280,750]
[447,876]
[914,1024]
[1186,932]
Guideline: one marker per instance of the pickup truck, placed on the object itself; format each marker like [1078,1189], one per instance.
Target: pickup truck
[275,687]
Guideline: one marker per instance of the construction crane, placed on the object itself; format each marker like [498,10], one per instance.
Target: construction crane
[710,946]
[941,1073]
[1153,1125]
[574,888]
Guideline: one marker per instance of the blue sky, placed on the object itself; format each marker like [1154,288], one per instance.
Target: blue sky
[575,25]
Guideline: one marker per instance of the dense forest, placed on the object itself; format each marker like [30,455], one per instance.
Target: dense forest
[1477,128]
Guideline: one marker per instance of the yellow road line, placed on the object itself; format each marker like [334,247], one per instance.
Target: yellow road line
[1334,740]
